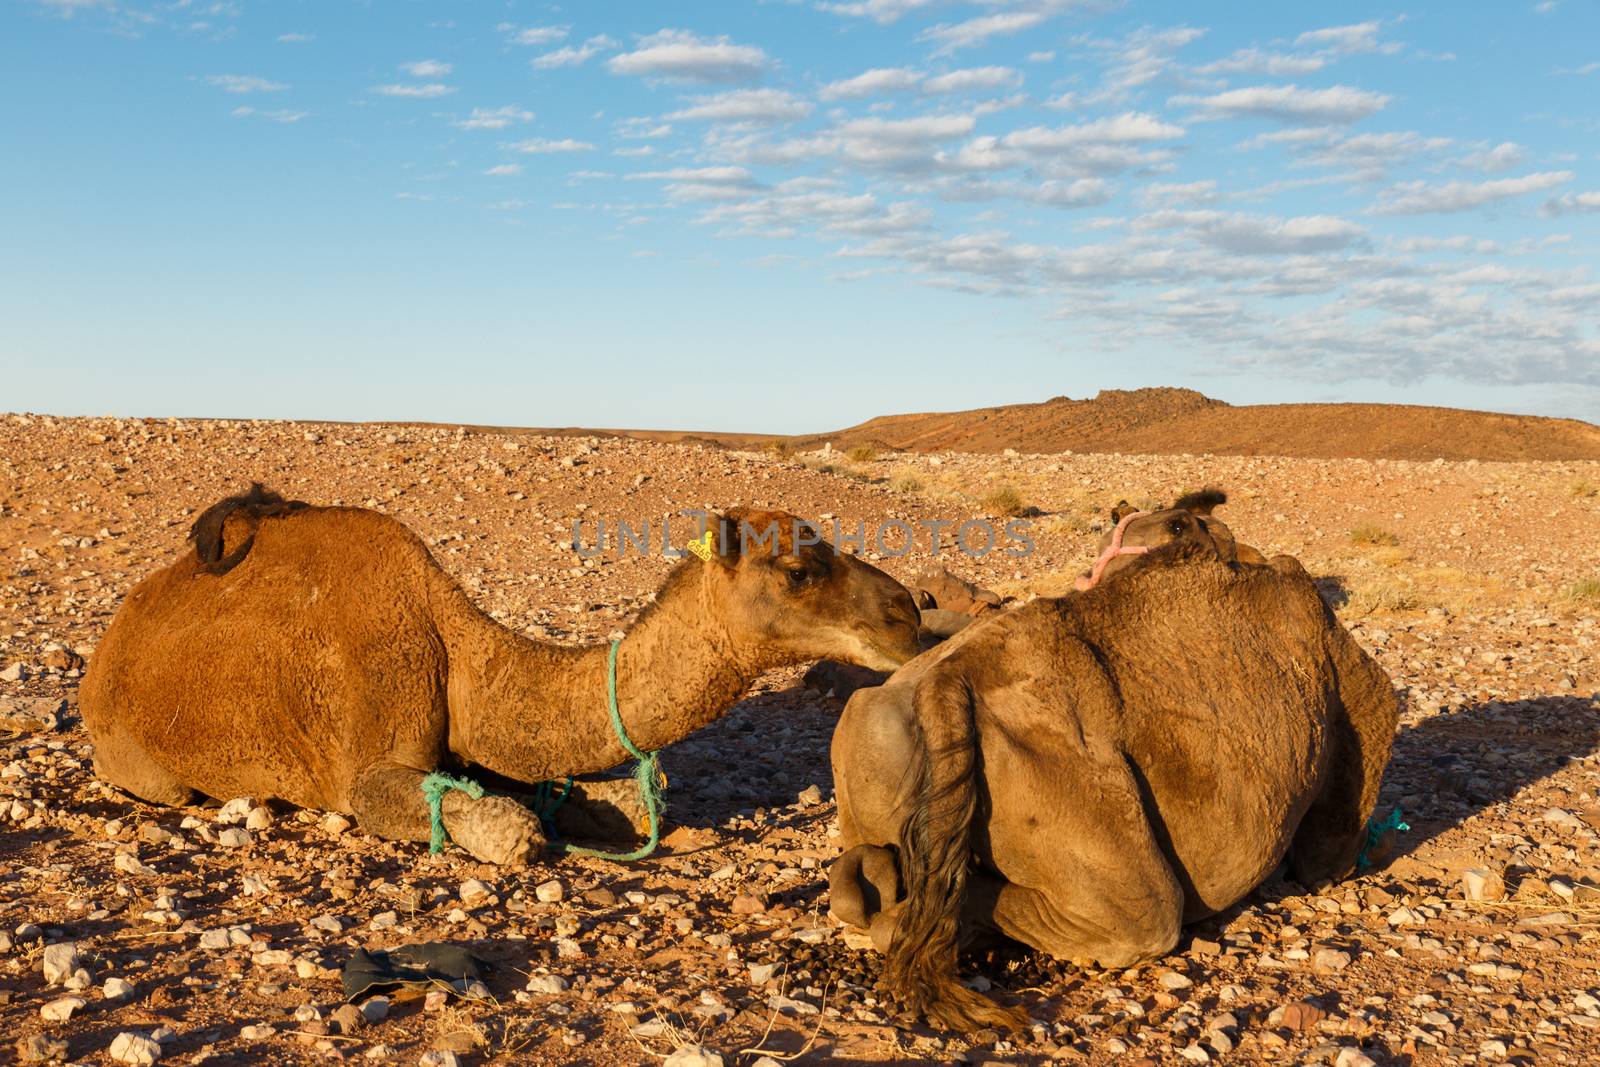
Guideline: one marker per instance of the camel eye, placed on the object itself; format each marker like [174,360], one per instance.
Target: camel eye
[1176,526]
[798,576]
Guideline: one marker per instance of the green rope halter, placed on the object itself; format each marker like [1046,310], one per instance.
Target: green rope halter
[646,772]
[1375,832]
[434,787]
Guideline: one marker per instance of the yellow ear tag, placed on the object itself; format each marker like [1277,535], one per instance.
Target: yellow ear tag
[701,546]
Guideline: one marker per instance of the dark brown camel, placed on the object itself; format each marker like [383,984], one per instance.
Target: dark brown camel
[1086,774]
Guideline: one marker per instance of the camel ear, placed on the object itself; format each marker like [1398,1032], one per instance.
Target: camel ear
[1202,502]
[1122,510]
[724,531]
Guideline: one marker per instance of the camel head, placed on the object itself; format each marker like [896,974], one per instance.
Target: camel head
[1190,518]
[787,596]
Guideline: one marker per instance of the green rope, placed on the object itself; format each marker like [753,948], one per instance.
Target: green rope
[546,806]
[1375,832]
[434,787]
[646,772]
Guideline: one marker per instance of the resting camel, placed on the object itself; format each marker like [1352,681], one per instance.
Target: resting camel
[320,656]
[1134,532]
[1086,774]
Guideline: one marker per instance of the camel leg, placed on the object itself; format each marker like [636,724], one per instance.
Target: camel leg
[1129,921]
[388,800]
[124,763]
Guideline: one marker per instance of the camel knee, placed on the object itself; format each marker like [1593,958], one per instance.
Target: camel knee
[123,763]
[1132,941]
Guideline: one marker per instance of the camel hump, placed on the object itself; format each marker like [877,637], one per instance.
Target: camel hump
[209,532]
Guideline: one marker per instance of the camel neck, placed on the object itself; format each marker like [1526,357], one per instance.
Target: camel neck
[534,711]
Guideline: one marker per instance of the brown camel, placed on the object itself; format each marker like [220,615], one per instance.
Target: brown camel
[1086,774]
[1134,532]
[321,656]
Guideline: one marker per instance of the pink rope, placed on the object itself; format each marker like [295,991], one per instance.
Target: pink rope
[1113,550]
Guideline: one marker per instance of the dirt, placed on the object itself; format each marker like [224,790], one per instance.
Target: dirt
[1476,584]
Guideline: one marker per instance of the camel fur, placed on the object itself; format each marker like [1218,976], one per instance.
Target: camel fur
[1087,774]
[320,656]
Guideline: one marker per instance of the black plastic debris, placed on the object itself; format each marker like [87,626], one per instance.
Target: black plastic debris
[421,968]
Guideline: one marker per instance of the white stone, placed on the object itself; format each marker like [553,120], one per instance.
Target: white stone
[439,1058]
[546,983]
[116,989]
[60,960]
[693,1056]
[260,818]
[375,1010]
[551,891]
[128,1047]
[61,1009]
[234,837]
[1353,1057]
[473,889]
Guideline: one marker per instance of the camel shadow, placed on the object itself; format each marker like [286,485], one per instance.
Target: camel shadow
[1452,766]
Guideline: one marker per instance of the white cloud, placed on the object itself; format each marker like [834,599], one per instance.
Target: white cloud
[1368,156]
[1503,156]
[973,79]
[704,175]
[534,35]
[642,128]
[1052,192]
[573,57]
[681,55]
[1289,103]
[296,38]
[976,31]
[1131,127]
[1140,58]
[427,68]
[504,170]
[1580,72]
[883,11]
[1421,198]
[1041,57]
[1255,61]
[536,146]
[1251,235]
[759,106]
[424,91]
[283,115]
[1163,194]
[1349,40]
[498,118]
[244,83]
[1573,204]
[871,83]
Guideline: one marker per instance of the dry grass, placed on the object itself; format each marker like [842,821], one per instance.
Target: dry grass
[1004,500]
[908,483]
[1585,490]
[862,454]
[1586,591]
[778,449]
[1372,534]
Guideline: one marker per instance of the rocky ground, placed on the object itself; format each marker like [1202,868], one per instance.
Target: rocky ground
[217,935]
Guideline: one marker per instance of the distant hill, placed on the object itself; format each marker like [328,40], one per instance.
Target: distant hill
[1165,421]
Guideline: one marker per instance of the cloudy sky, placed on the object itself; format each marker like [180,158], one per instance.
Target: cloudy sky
[790,216]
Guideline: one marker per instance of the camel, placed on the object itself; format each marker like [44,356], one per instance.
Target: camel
[1134,532]
[321,657]
[1086,774]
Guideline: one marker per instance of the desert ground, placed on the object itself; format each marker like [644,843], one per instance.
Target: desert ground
[1475,583]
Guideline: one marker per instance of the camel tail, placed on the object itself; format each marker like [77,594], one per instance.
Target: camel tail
[935,853]
[207,533]
[1202,501]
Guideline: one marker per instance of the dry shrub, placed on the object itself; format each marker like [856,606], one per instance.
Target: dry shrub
[778,449]
[1371,534]
[1584,490]
[862,454]
[909,483]
[1004,500]
[1586,591]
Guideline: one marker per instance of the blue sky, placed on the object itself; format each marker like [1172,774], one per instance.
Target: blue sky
[790,216]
